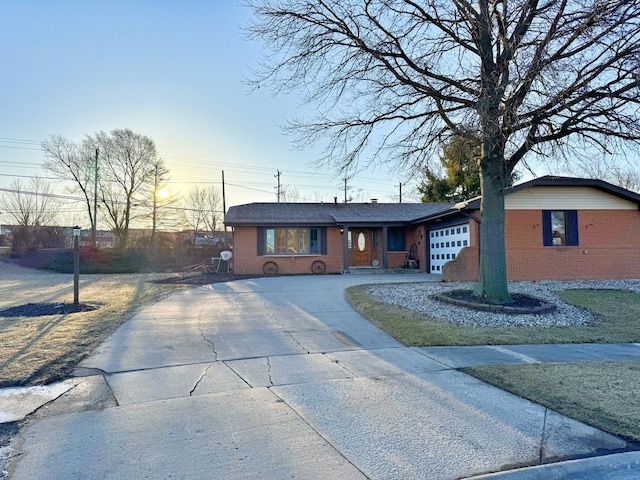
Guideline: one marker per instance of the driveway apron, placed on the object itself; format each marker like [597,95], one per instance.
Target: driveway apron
[279,378]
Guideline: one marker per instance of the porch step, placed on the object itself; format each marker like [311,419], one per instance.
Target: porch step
[378,270]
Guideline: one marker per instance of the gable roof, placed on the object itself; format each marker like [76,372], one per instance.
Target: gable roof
[325,214]
[555,181]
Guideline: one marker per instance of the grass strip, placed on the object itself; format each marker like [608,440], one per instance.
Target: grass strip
[601,394]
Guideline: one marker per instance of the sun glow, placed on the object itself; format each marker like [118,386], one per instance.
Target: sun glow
[163,193]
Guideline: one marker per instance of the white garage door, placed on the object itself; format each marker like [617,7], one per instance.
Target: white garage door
[446,243]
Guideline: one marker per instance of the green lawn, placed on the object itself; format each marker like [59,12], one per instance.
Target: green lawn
[616,312]
[602,394]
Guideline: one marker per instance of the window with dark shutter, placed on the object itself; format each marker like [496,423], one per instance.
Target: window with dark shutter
[559,228]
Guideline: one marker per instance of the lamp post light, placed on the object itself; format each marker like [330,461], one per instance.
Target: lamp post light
[76,263]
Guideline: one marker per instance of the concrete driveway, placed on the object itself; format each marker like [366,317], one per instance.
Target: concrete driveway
[279,378]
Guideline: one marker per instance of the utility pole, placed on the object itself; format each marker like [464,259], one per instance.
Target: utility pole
[400,196]
[224,209]
[94,225]
[346,190]
[279,191]
[224,198]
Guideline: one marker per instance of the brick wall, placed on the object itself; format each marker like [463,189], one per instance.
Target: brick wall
[609,248]
[247,261]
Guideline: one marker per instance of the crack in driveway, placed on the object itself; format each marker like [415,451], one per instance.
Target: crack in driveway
[200,379]
[206,339]
[269,370]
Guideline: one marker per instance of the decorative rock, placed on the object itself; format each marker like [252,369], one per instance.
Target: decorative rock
[417,297]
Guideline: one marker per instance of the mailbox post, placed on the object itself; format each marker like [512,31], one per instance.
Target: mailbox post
[76,263]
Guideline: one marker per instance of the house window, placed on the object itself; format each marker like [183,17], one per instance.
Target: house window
[291,241]
[396,240]
[560,227]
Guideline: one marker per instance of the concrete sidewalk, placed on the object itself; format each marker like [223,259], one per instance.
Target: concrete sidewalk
[279,378]
[460,357]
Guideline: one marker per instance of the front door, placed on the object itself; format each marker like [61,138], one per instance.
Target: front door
[362,248]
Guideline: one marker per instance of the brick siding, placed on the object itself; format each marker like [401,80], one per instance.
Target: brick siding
[247,261]
[609,248]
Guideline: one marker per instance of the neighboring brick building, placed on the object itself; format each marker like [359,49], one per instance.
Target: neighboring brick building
[555,228]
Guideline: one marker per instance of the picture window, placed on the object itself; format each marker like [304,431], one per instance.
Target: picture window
[292,241]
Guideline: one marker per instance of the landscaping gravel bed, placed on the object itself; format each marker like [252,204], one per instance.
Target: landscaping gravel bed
[415,297]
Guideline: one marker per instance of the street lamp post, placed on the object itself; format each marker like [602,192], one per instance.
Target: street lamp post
[76,263]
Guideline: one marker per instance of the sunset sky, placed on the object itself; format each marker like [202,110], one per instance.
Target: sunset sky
[166,69]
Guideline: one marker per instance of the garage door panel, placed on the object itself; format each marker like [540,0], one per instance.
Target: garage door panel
[446,244]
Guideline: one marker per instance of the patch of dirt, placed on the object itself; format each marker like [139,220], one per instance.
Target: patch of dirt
[520,304]
[518,299]
[203,278]
[40,309]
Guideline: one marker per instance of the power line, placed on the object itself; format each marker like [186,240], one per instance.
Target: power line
[209,163]
[42,194]
[192,162]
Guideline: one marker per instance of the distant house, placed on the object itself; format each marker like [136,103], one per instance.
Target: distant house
[556,228]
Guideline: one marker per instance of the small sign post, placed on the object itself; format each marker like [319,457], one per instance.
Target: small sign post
[76,263]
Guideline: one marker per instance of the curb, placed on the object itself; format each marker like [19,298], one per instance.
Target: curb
[618,466]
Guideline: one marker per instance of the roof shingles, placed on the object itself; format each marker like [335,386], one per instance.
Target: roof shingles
[331,213]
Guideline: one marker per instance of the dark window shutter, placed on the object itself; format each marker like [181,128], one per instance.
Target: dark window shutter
[323,241]
[261,240]
[572,219]
[547,239]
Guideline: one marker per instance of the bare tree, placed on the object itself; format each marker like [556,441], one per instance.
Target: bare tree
[394,79]
[77,163]
[30,209]
[159,200]
[625,176]
[128,161]
[290,194]
[203,209]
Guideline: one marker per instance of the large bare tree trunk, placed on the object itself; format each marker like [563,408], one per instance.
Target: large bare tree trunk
[492,278]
